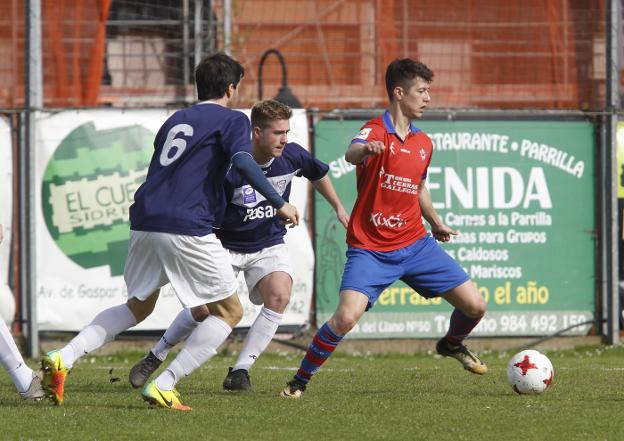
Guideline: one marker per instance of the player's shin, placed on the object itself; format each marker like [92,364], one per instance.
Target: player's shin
[200,347]
[460,326]
[180,328]
[103,329]
[323,345]
[258,338]
[12,361]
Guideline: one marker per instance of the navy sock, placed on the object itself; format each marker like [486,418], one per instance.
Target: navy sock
[461,325]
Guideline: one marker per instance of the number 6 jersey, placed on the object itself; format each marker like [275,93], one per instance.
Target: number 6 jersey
[183,190]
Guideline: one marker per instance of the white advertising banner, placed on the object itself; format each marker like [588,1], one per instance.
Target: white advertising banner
[89,164]
[7,300]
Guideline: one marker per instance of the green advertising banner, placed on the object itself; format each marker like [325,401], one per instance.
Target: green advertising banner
[521,194]
[620,160]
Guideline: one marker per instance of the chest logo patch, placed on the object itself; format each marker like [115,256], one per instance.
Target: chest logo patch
[249,195]
[423,154]
[364,133]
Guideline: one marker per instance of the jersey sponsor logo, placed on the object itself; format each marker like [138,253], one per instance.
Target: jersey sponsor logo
[405,151]
[249,195]
[397,183]
[392,221]
[363,133]
[266,212]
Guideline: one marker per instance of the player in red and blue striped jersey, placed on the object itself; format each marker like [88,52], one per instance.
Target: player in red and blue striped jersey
[386,236]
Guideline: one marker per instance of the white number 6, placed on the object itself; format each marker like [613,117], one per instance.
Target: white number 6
[173,142]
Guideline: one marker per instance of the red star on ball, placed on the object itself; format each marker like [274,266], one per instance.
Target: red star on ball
[525,365]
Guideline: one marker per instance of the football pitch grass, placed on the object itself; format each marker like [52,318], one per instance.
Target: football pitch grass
[365,397]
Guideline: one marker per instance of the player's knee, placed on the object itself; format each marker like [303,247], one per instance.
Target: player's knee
[277,301]
[235,315]
[482,308]
[229,310]
[199,313]
[343,323]
[477,308]
[141,314]
[141,309]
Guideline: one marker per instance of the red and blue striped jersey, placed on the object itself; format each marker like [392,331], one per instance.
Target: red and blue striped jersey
[387,215]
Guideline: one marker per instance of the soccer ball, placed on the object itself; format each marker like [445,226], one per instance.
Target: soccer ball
[530,372]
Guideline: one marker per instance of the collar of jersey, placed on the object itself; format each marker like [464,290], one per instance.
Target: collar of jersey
[208,102]
[267,164]
[390,127]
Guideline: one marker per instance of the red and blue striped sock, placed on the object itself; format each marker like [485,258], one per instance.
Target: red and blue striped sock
[322,346]
[461,325]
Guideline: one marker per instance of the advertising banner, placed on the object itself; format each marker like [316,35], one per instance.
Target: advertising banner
[521,194]
[7,300]
[620,160]
[89,164]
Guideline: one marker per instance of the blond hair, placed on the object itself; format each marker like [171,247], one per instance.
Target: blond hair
[267,111]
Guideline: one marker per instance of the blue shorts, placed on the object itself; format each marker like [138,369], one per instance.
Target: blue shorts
[424,266]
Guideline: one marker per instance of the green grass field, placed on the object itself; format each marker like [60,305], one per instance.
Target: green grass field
[371,397]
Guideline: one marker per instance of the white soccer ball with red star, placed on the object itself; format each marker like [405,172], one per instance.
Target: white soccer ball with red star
[530,372]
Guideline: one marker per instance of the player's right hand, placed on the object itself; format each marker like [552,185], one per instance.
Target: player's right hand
[290,214]
[443,233]
[375,148]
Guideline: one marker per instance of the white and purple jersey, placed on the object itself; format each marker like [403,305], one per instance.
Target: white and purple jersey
[250,222]
[183,191]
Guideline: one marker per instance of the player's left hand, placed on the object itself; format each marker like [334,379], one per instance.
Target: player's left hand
[343,217]
[289,215]
[443,233]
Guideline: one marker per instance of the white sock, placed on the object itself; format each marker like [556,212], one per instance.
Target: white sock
[12,360]
[200,347]
[104,328]
[178,330]
[258,338]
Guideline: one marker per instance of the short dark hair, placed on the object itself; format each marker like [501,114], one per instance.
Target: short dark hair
[267,111]
[403,70]
[215,73]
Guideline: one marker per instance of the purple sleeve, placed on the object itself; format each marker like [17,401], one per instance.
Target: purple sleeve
[311,168]
[236,134]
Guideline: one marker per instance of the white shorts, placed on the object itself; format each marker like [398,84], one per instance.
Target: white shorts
[259,264]
[198,268]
